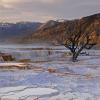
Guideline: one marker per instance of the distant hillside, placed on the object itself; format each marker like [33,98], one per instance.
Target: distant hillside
[55,30]
[11,31]
[51,31]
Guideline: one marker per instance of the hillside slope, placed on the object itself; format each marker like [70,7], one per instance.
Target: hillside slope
[55,30]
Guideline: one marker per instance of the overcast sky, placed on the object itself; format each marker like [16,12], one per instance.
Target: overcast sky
[43,10]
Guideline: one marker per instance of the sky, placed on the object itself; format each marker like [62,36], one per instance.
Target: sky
[44,10]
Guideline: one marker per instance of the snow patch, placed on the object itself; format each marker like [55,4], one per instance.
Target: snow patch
[22,92]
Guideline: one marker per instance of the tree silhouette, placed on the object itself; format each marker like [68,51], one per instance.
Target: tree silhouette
[79,35]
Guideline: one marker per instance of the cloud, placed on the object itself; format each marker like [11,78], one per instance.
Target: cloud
[43,10]
[26,1]
[49,1]
[10,1]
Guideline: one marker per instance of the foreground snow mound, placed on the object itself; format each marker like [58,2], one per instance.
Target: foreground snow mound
[13,65]
[25,93]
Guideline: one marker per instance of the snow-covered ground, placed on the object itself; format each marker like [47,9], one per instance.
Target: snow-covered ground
[52,76]
[12,64]
[25,93]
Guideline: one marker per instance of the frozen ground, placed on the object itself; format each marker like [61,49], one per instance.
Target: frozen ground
[52,76]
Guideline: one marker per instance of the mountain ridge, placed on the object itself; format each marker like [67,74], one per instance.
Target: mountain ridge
[51,31]
[55,29]
[14,30]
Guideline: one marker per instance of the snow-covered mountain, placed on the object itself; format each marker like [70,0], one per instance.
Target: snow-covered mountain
[13,30]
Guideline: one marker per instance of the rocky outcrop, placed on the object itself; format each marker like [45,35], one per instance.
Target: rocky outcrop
[6,57]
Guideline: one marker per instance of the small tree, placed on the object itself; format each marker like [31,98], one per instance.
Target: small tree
[79,35]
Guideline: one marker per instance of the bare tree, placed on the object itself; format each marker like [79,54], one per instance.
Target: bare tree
[79,35]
